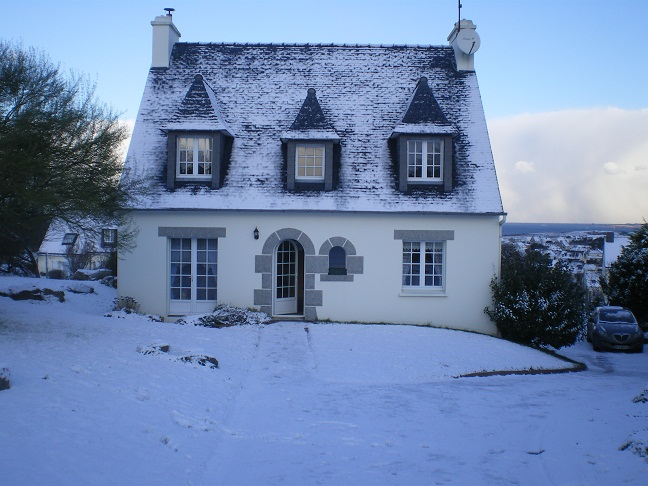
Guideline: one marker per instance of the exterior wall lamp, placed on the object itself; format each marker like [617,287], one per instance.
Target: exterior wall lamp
[256,233]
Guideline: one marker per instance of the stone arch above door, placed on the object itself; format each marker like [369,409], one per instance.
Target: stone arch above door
[278,236]
[263,264]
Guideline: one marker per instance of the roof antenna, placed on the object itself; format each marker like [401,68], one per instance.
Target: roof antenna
[459,19]
[169,10]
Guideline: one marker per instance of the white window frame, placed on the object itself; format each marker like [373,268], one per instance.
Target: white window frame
[109,237]
[195,162]
[423,277]
[310,157]
[432,150]
[188,279]
[69,239]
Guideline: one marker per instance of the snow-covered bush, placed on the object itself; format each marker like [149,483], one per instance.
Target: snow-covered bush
[534,302]
[109,281]
[627,280]
[225,316]
[126,304]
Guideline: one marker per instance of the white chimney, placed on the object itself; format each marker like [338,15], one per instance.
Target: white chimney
[465,41]
[165,35]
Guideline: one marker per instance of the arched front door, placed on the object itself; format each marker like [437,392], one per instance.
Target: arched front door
[288,289]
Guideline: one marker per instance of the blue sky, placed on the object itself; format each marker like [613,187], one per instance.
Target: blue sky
[563,82]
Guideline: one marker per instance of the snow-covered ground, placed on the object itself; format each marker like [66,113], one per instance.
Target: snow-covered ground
[296,403]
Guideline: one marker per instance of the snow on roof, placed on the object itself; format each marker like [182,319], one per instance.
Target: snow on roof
[257,92]
[53,241]
[199,110]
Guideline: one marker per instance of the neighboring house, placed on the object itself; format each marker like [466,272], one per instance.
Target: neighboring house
[340,182]
[65,250]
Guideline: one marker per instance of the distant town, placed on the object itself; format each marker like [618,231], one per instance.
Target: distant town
[586,250]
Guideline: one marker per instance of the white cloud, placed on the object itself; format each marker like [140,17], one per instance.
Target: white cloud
[574,154]
[611,168]
[128,124]
[524,167]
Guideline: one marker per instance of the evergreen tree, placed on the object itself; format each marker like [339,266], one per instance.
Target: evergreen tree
[59,155]
[626,283]
[534,302]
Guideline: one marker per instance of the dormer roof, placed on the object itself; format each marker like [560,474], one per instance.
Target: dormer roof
[310,123]
[424,115]
[198,110]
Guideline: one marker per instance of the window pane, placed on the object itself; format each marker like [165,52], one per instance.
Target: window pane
[414,158]
[206,272]
[337,257]
[425,159]
[194,155]
[423,263]
[309,161]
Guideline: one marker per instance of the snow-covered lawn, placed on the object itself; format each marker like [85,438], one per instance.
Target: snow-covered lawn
[295,403]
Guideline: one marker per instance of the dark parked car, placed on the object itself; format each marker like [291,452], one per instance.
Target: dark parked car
[614,328]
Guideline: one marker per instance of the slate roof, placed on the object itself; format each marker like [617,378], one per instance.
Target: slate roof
[310,122]
[53,241]
[360,96]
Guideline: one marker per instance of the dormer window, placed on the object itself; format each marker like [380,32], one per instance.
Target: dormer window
[310,162]
[425,160]
[194,157]
[198,140]
[310,165]
[309,142]
[424,146]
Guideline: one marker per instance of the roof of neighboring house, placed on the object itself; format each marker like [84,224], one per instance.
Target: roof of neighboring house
[53,241]
[359,96]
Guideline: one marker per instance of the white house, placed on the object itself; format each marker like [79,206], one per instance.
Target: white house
[341,182]
[66,249]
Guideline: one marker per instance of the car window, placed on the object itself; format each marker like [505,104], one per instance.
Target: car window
[620,315]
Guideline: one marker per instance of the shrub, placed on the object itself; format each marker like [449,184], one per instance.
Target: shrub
[226,316]
[56,274]
[126,304]
[535,303]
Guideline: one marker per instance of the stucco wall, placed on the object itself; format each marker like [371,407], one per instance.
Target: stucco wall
[374,294]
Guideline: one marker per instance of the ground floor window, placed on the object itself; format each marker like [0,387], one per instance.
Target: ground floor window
[423,264]
[193,271]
